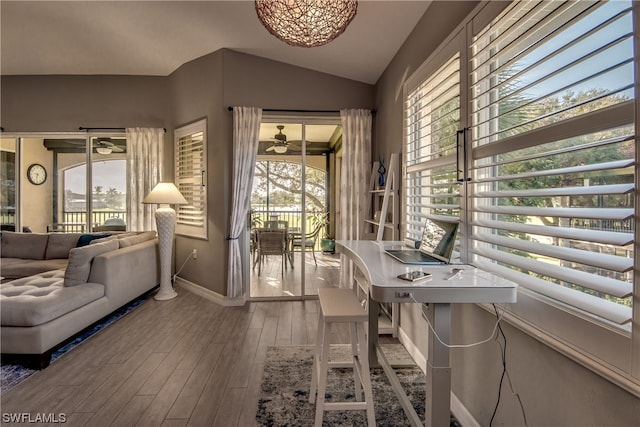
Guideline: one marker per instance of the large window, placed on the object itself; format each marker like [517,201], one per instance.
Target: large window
[554,165]
[431,147]
[546,168]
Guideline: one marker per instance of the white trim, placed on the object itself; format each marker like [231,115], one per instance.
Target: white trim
[413,351]
[461,413]
[209,294]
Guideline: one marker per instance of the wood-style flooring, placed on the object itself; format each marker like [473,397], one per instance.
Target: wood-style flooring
[182,362]
[272,283]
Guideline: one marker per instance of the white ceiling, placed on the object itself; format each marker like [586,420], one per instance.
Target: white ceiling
[157,37]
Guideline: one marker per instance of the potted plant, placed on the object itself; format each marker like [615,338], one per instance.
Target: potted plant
[327,242]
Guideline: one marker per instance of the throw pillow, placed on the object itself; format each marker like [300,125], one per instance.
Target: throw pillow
[134,240]
[86,239]
[79,266]
[103,239]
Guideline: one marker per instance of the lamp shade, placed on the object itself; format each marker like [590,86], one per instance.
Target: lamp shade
[165,193]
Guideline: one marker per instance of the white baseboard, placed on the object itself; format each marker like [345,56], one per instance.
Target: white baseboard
[415,354]
[209,294]
[457,408]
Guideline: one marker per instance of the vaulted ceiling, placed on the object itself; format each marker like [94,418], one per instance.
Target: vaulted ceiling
[157,37]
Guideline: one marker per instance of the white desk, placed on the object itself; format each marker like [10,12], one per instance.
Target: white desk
[470,286]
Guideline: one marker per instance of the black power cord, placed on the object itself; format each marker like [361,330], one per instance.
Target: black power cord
[505,373]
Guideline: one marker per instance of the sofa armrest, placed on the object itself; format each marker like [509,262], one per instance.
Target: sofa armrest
[128,272]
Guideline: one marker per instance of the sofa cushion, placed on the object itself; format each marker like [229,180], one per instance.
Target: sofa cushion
[35,300]
[15,268]
[86,239]
[60,244]
[79,266]
[114,236]
[139,238]
[23,245]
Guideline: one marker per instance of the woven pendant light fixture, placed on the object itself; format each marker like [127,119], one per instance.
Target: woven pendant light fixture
[306,23]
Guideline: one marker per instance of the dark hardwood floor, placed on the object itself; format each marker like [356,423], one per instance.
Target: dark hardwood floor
[182,362]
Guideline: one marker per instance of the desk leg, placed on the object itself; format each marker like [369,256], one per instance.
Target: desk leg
[372,341]
[438,402]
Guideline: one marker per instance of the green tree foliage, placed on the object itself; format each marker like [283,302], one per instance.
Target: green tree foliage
[281,183]
[520,115]
[113,198]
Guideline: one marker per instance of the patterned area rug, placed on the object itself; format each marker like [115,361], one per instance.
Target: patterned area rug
[284,397]
[12,375]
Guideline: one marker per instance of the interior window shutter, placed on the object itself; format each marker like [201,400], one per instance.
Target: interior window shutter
[553,172]
[190,145]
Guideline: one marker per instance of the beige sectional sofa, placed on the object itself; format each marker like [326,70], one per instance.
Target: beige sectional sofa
[60,289]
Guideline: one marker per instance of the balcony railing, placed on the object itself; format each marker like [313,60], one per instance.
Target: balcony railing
[97,217]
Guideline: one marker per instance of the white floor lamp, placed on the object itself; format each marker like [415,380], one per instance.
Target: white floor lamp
[165,194]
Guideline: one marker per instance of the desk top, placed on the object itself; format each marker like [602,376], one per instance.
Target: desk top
[471,285]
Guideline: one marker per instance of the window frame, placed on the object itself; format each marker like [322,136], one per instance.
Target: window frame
[195,180]
[606,350]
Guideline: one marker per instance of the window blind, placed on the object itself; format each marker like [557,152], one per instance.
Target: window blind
[552,195]
[432,119]
[190,168]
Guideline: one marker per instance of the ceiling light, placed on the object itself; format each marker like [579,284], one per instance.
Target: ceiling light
[103,150]
[306,23]
[280,149]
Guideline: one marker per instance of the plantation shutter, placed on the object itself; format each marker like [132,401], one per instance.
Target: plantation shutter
[190,143]
[552,194]
[432,119]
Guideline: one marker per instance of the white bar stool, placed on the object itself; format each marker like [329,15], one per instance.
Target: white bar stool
[341,306]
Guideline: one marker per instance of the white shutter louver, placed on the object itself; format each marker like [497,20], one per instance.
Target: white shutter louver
[432,114]
[553,169]
[190,143]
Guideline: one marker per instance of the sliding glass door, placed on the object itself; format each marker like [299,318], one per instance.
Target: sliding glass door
[47,187]
[292,195]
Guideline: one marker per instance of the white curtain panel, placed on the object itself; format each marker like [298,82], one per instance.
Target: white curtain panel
[356,167]
[144,171]
[246,134]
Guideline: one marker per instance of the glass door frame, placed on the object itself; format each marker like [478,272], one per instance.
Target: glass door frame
[304,121]
[20,169]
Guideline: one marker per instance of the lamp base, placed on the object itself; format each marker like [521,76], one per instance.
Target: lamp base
[165,222]
[165,294]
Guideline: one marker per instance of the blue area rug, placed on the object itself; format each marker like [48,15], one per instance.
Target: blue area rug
[12,375]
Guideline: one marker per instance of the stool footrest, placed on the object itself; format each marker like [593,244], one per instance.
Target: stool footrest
[345,406]
[340,364]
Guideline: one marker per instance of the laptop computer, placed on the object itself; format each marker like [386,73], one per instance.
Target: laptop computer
[436,245]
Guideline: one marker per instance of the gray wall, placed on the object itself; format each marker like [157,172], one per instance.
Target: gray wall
[205,88]
[63,103]
[555,390]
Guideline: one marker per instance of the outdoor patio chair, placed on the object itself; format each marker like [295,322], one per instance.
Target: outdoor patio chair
[271,242]
[310,241]
[278,225]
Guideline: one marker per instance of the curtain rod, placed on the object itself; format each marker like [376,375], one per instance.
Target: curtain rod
[120,129]
[276,110]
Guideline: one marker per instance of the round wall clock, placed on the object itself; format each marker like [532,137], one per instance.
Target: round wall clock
[36,174]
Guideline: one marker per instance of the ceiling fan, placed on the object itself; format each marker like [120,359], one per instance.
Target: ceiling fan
[280,143]
[105,146]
